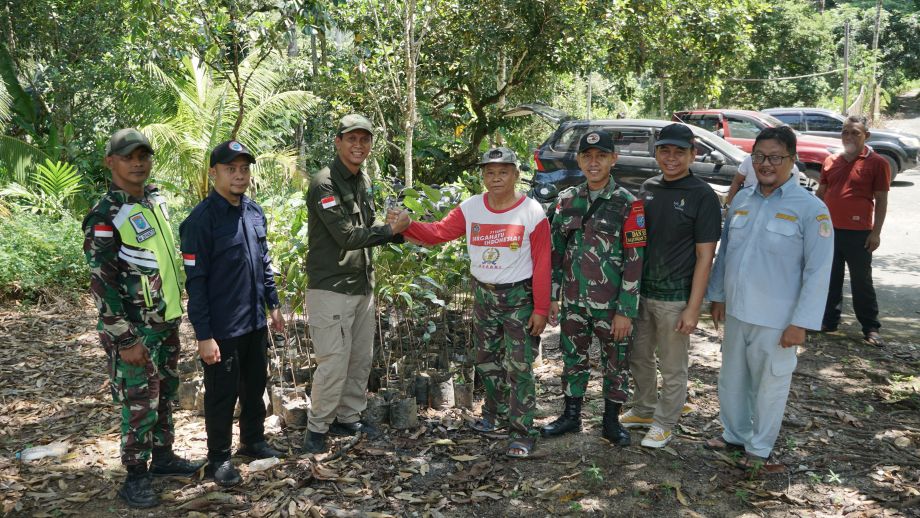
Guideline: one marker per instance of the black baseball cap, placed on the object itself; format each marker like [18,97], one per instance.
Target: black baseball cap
[676,134]
[225,153]
[354,122]
[125,141]
[499,155]
[599,139]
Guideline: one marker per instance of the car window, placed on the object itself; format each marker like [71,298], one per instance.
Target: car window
[707,122]
[568,140]
[792,119]
[632,142]
[740,128]
[702,149]
[818,122]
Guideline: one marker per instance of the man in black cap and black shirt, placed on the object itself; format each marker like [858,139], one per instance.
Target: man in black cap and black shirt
[230,287]
[683,218]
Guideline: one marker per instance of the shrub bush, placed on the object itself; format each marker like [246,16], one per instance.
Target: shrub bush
[41,257]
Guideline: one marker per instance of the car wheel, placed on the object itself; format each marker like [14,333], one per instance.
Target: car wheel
[892,164]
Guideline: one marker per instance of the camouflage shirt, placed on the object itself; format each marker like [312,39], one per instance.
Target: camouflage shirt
[125,281]
[598,249]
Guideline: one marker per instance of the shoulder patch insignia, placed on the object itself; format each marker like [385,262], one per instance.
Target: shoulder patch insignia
[634,232]
[328,202]
[823,217]
[103,231]
[824,229]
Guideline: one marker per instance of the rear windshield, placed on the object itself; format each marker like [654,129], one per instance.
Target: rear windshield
[629,141]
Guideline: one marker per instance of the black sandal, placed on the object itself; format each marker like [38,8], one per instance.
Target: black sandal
[485,425]
[527,445]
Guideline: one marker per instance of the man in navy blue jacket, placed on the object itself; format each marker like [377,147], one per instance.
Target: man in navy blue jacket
[230,287]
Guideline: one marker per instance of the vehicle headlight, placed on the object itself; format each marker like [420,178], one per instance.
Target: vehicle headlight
[834,150]
[546,191]
[909,141]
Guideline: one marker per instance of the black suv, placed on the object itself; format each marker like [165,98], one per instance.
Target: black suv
[717,161]
[898,148]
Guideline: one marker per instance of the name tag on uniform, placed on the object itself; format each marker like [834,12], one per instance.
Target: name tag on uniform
[787,217]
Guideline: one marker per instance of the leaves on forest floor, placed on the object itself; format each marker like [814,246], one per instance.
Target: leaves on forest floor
[54,389]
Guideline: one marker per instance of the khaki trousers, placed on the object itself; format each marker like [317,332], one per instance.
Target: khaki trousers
[342,332]
[655,333]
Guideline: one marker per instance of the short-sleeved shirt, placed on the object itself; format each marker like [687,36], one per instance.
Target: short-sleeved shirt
[678,215]
[229,277]
[851,188]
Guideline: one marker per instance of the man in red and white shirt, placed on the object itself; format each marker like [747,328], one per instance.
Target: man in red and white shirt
[507,238]
[854,185]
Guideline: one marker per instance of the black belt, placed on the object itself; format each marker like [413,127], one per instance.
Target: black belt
[505,286]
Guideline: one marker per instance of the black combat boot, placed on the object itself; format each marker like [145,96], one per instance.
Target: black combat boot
[259,450]
[569,421]
[315,442]
[612,430]
[166,463]
[137,490]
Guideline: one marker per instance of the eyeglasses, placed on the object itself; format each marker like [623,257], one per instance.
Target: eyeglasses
[758,158]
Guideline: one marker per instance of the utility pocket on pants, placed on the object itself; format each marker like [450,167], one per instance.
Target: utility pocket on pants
[783,364]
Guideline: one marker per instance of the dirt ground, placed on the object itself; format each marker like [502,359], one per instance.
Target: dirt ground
[850,441]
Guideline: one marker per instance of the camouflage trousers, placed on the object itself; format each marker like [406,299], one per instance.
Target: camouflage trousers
[505,353]
[145,394]
[579,325]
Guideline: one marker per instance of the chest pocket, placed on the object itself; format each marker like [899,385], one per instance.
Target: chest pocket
[738,229]
[607,225]
[780,235]
[228,241]
[261,236]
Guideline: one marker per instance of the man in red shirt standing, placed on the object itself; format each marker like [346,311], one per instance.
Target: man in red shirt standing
[854,185]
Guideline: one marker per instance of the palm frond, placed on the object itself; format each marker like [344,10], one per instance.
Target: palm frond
[19,157]
[5,101]
[260,117]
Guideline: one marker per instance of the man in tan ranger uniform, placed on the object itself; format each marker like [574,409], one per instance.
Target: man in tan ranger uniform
[340,290]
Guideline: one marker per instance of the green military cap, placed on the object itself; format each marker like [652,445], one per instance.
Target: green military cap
[354,122]
[124,141]
[499,155]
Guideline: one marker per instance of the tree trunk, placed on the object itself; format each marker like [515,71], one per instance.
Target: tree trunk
[411,52]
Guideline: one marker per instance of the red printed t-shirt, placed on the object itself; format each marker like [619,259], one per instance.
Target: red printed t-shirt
[505,246]
[851,187]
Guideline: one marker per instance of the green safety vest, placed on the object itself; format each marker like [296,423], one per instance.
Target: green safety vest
[147,241]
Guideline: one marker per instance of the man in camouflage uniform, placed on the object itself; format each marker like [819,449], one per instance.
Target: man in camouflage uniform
[598,235]
[135,282]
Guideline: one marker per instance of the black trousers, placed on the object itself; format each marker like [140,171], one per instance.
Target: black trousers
[240,373]
[850,250]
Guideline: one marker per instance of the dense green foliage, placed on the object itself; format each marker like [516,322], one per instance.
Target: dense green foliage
[436,76]
[41,257]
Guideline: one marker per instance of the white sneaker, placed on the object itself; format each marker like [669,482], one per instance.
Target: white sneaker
[656,437]
[630,420]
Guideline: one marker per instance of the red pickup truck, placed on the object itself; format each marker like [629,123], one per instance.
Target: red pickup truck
[740,127]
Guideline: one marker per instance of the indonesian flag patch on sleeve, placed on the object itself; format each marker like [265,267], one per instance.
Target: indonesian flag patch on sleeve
[188,259]
[103,230]
[634,233]
[328,202]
